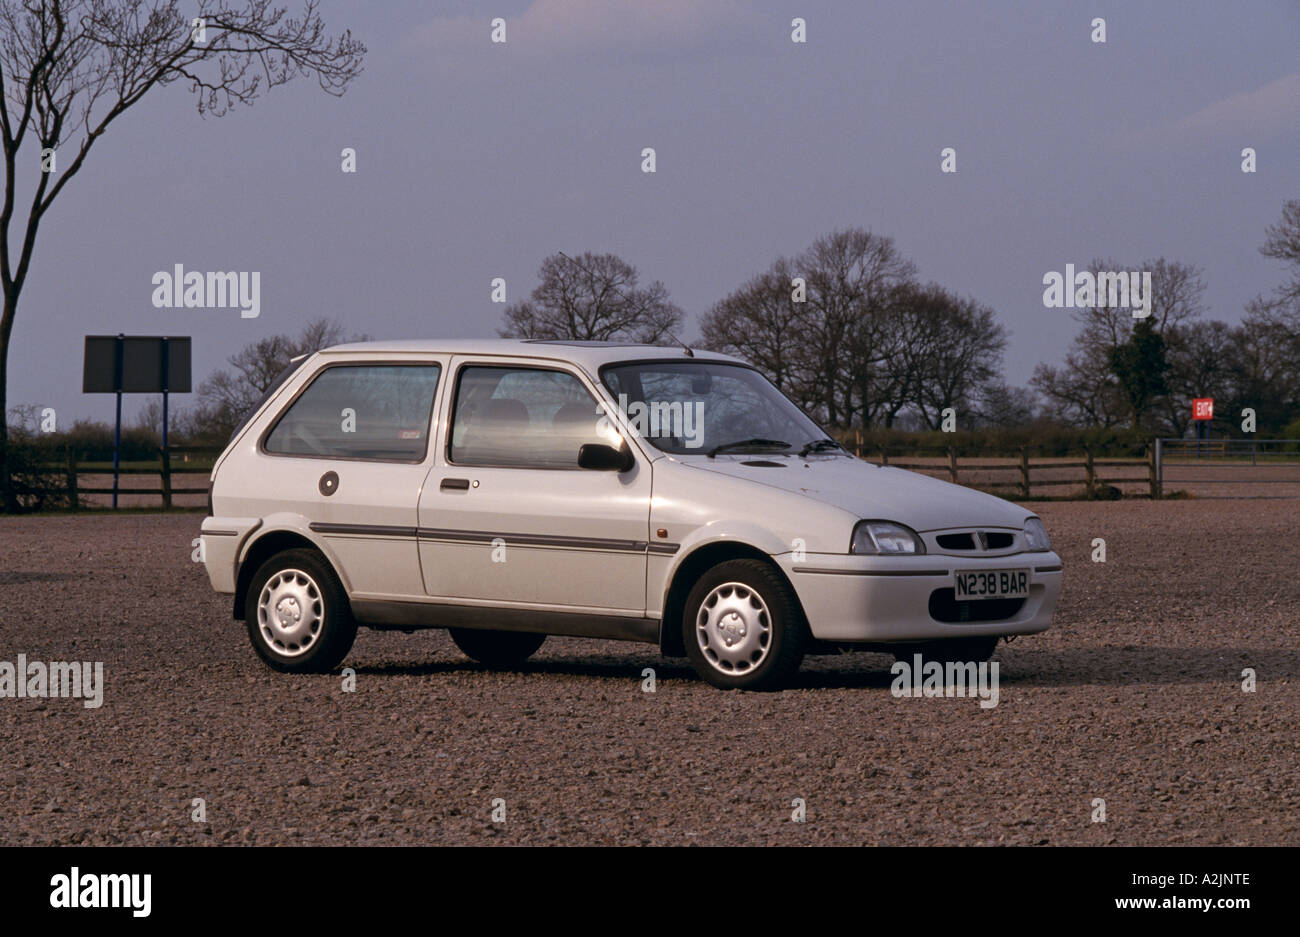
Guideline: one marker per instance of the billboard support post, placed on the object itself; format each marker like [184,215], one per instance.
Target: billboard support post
[117,421]
[166,353]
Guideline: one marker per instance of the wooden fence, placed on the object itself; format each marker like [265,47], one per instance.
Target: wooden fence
[1096,475]
[76,465]
[984,471]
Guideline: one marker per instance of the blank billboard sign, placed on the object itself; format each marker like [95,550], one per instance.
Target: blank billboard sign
[142,367]
[99,373]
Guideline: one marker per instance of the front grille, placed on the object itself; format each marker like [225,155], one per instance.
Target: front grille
[956,541]
[976,540]
[945,607]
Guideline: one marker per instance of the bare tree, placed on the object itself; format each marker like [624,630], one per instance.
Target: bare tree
[868,344]
[70,68]
[594,297]
[1081,392]
[761,323]
[1282,242]
[825,347]
[889,371]
[1086,390]
[961,352]
[1200,359]
[1001,405]
[852,276]
[1265,363]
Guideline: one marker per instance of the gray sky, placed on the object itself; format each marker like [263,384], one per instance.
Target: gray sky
[477,160]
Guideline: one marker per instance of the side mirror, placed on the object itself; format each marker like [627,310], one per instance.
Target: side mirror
[603,458]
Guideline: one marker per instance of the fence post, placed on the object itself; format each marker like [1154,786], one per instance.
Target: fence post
[952,465]
[1153,469]
[165,473]
[1024,470]
[72,479]
[884,454]
[1089,470]
[857,439]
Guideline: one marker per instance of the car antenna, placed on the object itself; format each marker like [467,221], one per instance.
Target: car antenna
[686,348]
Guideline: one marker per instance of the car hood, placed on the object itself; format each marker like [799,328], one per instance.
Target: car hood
[871,491]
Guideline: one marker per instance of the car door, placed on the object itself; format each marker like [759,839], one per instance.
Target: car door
[507,517]
[349,455]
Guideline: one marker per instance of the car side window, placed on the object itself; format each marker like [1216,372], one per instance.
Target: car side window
[360,412]
[525,417]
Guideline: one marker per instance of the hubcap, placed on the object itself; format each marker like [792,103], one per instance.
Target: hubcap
[290,612]
[733,628]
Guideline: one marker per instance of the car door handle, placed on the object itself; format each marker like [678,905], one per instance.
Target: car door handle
[454,484]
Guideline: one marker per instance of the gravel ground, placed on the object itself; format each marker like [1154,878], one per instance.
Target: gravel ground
[1134,697]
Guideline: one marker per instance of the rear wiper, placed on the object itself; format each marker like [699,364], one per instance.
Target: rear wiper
[819,445]
[758,442]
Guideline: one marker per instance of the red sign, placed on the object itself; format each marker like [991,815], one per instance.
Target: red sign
[1203,408]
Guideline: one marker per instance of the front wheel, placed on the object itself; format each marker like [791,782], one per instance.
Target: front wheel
[497,648]
[298,615]
[743,628]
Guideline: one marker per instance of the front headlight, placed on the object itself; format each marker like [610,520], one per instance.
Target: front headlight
[884,537]
[1036,539]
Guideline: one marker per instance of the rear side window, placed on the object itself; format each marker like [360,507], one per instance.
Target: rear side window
[525,417]
[367,411]
[289,371]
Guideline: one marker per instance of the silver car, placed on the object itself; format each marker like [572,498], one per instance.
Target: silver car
[510,490]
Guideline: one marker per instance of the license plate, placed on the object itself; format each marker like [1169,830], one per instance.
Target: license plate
[992,584]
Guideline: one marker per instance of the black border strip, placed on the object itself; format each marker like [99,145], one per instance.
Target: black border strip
[362,530]
[870,572]
[537,540]
[474,536]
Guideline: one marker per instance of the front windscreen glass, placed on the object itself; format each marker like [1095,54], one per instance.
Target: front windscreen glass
[693,408]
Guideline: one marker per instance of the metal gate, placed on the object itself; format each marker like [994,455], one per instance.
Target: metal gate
[1266,468]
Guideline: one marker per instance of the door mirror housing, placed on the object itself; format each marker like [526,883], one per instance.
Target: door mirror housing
[603,458]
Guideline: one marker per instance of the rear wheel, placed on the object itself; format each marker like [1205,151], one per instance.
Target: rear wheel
[497,648]
[951,650]
[743,628]
[298,615]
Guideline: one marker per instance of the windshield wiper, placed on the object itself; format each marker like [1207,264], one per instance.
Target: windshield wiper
[758,442]
[819,445]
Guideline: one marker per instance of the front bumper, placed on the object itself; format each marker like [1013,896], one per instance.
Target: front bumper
[873,599]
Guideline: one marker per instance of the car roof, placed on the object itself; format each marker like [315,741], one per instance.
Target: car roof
[590,355]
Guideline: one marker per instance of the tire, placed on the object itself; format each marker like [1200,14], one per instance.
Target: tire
[954,650]
[748,603]
[503,649]
[298,615]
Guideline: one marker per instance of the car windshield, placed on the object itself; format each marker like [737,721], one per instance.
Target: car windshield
[706,407]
